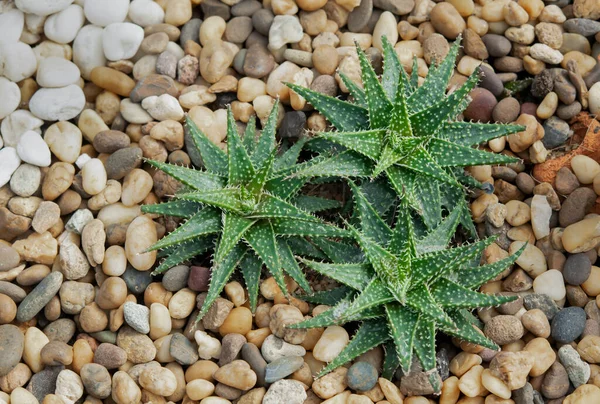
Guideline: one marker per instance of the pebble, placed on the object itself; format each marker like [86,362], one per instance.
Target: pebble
[137,316]
[577,369]
[64,140]
[577,269]
[282,367]
[139,347]
[35,301]
[96,380]
[446,20]
[57,72]
[9,258]
[25,180]
[153,85]
[556,132]
[252,355]
[236,374]
[19,61]
[504,329]
[594,99]
[158,380]
[568,324]
[163,107]
[121,40]
[582,26]
[556,381]
[199,278]
[69,386]
[542,302]
[124,389]
[11,347]
[183,350]
[288,391]
[333,340]
[11,97]
[9,162]
[57,104]
[146,13]
[284,29]
[208,347]
[33,149]
[361,376]
[62,27]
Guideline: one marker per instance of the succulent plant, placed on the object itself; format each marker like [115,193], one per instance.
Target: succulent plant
[406,131]
[245,205]
[406,289]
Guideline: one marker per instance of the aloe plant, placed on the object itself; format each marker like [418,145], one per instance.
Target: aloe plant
[246,205]
[407,132]
[405,289]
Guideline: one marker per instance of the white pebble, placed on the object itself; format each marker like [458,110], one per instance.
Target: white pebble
[146,12]
[11,97]
[64,140]
[163,107]
[81,160]
[11,25]
[93,177]
[42,7]
[594,98]
[540,216]
[208,347]
[550,283]
[134,113]
[9,162]
[121,40]
[69,386]
[284,29]
[333,340]
[57,72]
[87,50]
[105,12]
[33,150]
[63,27]
[545,53]
[57,104]
[18,61]
[17,123]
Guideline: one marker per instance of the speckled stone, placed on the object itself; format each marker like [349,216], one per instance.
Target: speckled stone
[183,350]
[282,367]
[577,269]
[361,376]
[568,324]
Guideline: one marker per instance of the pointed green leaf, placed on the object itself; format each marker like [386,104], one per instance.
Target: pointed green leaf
[402,324]
[175,208]
[241,170]
[271,207]
[448,154]
[266,141]
[422,162]
[414,75]
[290,265]
[374,295]
[450,294]
[370,334]
[184,252]
[483,273]
[391,361]
[214,159]
[367,142]
[310,203]
[199,180]
[234,227]
[261,238]
[358,93]
[439,238]
[379,194]
[372,225]
[340,252]
[421,300]
[227,198]
[302,247]
[428,195]
[328,297]
[345,164]
[289,158]
[249,140]
[284,186]
[425,350]
[378,103]
[343,115]
[357,276]
[467,331]
[206,221]
[221,272]
[293,227]
[251,267]
[257,183]
[391,70]
[472,134]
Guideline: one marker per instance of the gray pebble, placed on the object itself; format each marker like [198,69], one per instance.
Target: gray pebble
[246,8]
[568,324]
[274,348]
[166,64]
[497,45]
[137,316]
[542,302]
[293,124]
[231,345]
[262,20]
[577,269]
[96,380]
[78,220]
[62,330]
[285,391]
[25,180]
[136,281]
[215,7]
[12,342]
[176,278]
[183,350]
[556,132]
[361,376]
[567,112]
[122,162]
[524,395]
[582,26]
[577,369]
[251,354]
[13,291]
[44,382]
[360,16]
[37,299]
[282,367]
[190,31]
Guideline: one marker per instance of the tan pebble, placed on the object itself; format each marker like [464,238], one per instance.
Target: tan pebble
[543,354]
[199,389]
[450,391]
[112,293]
[22,396]
[581,236]
[390,391]
[203,369]
[158,380]
[333,340]
[238,321]
[35,340]
[470,383]
[115,261]
[141,234]
[463,362]
[331,384]
[236,374]
[182,303]
[112,80]
[124,389]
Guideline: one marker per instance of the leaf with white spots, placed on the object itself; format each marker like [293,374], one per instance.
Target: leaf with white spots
[215,160]
[206,221]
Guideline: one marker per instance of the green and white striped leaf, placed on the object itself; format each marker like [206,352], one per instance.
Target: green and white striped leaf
[198,180]
[215,160]
[206,221]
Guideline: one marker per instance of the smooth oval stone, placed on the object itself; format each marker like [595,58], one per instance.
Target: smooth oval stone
[11,347]
[176,278]
[282,367]
[13,291]
[577,269]
[44,382]
[361,376]
[62,330]
[568,324]
[136,281]
[251,354]
[35,301]
[183,350]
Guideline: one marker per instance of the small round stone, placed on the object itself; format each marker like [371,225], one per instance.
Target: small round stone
[361,376]
[568,324]
[577,269]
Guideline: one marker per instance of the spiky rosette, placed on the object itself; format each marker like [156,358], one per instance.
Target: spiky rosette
[406,289]
[246,202]
[408,132]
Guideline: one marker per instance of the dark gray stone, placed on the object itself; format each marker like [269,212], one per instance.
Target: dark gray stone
[44,382]
[293,124]
[542,302]
[12,342]
[251,354]
[568,324]
[176,278]
[136,281]
[62,330]
[577,269]
[262,20]
[361,376]
[183,350]
[121,162]
[246,8]
[556,132]
[497,45]
[37,299]
[582,26]
[282,367]
[231,345]
[215,7]
[190,31]
[524,395]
